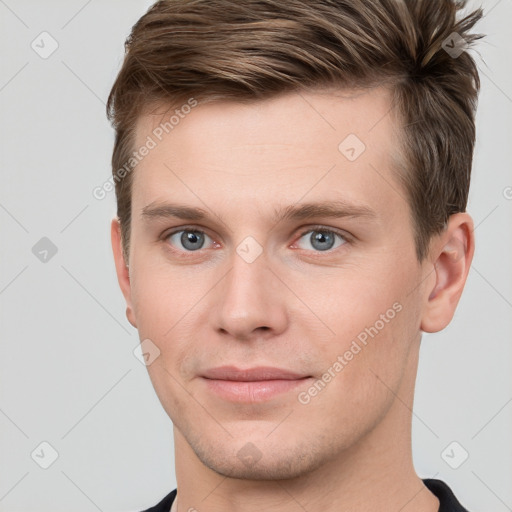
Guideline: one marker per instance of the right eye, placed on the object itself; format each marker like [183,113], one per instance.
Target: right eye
[190,239]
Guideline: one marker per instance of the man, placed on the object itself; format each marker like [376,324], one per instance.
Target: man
[291,183]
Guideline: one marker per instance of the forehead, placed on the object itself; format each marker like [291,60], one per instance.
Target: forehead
[272,151]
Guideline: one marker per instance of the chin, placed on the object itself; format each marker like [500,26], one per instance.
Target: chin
[260,459]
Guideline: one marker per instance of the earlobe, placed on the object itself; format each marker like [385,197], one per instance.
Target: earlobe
[122,269]
[451,253]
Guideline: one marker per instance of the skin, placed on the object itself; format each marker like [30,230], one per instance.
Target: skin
[294,307]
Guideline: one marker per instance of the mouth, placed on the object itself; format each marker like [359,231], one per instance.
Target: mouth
[253,384]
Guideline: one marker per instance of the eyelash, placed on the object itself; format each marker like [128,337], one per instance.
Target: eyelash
[343,235]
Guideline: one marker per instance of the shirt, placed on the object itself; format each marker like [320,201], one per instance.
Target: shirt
[447,500]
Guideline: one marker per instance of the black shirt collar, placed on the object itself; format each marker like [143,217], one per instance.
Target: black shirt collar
[448,501]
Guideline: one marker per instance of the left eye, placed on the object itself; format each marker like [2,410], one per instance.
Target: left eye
[322,239]
[190,239]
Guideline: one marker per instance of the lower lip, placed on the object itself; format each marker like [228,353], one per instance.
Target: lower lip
[253,391]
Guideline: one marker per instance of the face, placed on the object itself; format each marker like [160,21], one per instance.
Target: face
[273,266]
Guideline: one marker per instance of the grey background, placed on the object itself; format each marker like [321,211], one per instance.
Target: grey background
[68,375]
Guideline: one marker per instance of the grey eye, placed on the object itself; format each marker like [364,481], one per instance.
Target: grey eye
[322,239]
[191,240]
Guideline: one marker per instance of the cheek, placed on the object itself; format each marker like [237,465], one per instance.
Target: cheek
[160,296]
[166,308]
[363,370]
[375,320]
[350,303]
[161,302]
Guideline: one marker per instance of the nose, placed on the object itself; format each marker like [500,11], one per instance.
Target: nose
[250,301]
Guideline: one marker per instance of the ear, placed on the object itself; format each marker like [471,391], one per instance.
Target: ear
[123,274]
[451,255]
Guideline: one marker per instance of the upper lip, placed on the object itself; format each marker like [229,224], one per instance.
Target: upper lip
[260,373]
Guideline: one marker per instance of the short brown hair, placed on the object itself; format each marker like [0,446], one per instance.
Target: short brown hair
[253,49]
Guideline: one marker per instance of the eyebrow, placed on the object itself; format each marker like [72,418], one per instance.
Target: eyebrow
[327,209]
